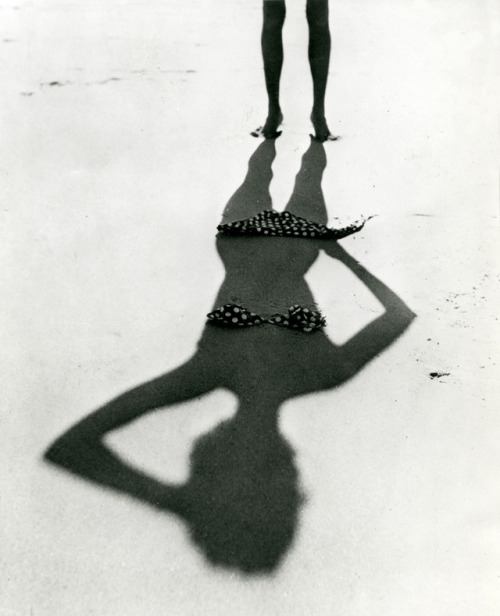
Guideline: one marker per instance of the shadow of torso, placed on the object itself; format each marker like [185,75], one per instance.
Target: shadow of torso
[266,276]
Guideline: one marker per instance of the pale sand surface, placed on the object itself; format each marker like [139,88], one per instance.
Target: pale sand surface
[112,183]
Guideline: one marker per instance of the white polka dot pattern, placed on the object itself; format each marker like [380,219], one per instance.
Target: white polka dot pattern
[296,317]
[285,224]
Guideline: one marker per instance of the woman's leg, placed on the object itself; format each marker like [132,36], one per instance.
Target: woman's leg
[272,52]
[319,60]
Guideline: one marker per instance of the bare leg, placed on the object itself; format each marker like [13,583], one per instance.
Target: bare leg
[319,60]
[272,52]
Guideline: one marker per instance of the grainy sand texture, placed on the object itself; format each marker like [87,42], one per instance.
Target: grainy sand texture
[125,130]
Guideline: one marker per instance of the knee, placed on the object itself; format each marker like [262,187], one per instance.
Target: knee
[274,14]
[317,15]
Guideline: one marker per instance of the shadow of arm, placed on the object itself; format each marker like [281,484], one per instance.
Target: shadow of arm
[81,449]
[382,331]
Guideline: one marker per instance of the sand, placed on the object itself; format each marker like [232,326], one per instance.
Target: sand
[125,131]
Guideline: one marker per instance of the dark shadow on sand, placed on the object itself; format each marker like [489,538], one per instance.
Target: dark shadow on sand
[242,499]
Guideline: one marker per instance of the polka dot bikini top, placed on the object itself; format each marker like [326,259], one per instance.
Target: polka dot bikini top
[233,315]
[280,224]
[286,224]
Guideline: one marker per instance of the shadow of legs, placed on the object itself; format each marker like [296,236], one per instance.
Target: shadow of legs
[253,195]
[307,199]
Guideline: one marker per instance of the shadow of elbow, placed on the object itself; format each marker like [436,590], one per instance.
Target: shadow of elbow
[406,317]
[55,454]
[64,453]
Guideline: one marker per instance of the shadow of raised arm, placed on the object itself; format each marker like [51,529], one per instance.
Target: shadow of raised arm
[81,450]
[382,331]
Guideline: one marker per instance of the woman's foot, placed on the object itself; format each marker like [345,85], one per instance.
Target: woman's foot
[270,128]
[321,131]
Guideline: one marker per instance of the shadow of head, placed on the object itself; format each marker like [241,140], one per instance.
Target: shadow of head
[242,498]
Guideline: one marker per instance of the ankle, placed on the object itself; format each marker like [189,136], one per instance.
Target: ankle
[318,111]
[274,110]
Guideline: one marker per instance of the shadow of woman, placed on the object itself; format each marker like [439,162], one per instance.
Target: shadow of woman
[242,499]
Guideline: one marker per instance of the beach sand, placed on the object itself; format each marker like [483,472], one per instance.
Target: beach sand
[125,130]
